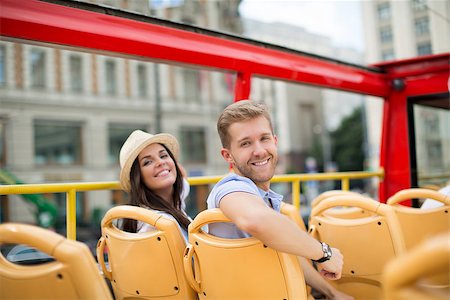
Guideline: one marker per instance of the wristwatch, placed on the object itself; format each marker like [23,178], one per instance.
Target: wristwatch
[326,253]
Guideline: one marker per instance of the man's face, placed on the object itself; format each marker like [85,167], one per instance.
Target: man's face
[253,150]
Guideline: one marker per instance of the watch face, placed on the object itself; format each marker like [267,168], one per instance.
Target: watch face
[326,250]
[326,253]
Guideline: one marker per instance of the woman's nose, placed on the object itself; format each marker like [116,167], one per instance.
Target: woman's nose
[159,161]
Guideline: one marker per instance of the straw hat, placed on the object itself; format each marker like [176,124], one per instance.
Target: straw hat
[135,143]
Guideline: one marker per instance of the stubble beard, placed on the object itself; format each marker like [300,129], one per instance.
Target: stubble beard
[250,173]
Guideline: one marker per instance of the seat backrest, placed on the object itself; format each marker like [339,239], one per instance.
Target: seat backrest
[409,276]
[73,274]
[332,193]
[367,244]
[419,224]
[341,212]
[145,265]
[292,213]
[238,268]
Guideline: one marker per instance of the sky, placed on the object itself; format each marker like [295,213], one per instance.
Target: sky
[341,20]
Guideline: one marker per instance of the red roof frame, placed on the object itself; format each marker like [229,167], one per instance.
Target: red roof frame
[67,26]
[421,76]
[57,24]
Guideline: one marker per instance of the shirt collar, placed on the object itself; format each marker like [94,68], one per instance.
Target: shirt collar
[275,199]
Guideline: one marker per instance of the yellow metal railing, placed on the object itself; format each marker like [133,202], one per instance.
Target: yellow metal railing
[69,188]
[72,188]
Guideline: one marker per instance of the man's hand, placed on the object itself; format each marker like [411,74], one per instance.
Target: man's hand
[332,269]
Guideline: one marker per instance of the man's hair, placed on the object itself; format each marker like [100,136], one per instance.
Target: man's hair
[240,111]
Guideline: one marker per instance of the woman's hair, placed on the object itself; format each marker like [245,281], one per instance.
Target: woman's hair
[141,195]
[240,111]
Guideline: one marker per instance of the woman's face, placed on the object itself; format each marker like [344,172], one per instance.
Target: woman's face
[157,170]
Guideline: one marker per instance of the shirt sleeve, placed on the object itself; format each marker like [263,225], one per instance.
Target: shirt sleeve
[233,186]
[144,227]
[184,193]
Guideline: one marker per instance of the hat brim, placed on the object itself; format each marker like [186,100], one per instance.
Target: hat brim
[166,139]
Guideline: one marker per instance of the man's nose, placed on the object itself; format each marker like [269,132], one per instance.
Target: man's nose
[258,149]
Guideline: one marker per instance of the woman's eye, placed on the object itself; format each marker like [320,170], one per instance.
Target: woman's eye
[146,162]
[164,155]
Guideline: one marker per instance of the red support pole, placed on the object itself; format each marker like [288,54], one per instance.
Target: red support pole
[242,87]
[395,152]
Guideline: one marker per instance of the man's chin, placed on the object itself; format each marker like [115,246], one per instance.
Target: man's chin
[261,178]
[257,174]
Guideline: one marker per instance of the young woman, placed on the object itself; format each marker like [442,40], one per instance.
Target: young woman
[153,178]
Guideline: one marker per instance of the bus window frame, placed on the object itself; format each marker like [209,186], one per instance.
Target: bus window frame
[439,101]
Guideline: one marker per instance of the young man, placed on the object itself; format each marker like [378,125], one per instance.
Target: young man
[244,196]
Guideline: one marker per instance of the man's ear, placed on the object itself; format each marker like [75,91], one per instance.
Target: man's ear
[227,155]
[276,139]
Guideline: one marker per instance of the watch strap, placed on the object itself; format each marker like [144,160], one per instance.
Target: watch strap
[326,253]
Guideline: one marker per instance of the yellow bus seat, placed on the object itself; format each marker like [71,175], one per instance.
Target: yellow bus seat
[409,276]
[341,212]
[72,273]
[367,244]
[219,268]
[418,224]
[292,213]
[143,265]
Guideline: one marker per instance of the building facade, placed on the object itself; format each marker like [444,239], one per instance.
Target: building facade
[405,29]
[401,30]
[65,113]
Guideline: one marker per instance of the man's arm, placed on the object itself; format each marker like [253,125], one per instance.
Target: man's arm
[251,215]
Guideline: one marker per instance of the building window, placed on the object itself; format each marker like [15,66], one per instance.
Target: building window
[76,73]
[117,135]
[419,5]
[37,60]
[193,140]
[57,143]
[431,124]
[2,65]
[142,80]
[424,49]
[384,11]
[110,77]
[192,85]
[386,35]
[388,55]
[432,142]
[434,152]
[422,26]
